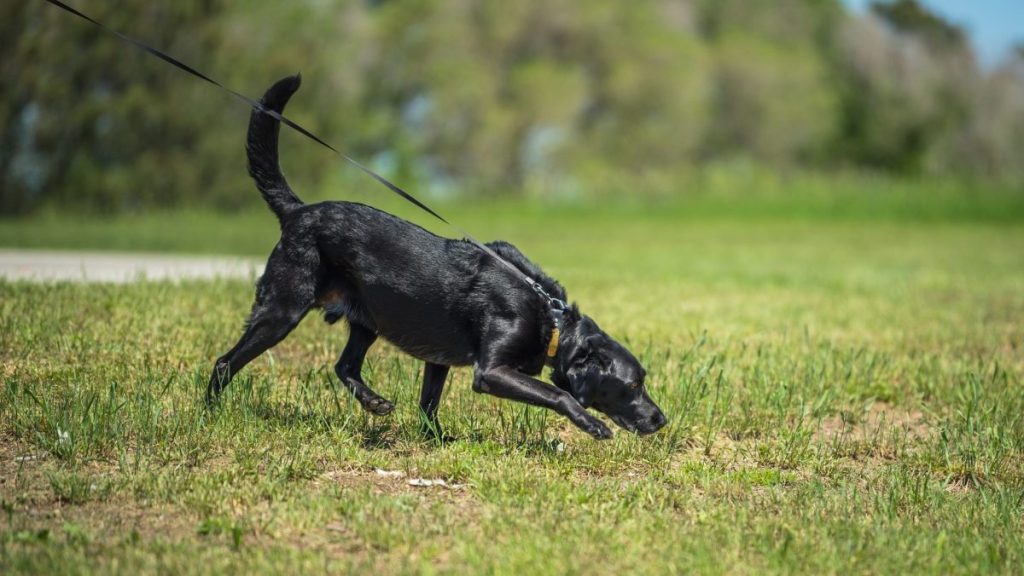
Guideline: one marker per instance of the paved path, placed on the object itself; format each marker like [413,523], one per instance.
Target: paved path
[48,265]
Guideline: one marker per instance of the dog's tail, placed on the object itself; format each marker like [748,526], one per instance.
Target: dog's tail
[261,147]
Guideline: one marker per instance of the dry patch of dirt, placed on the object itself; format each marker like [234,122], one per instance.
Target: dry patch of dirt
[337,538]
[859,442]
[32,506]
[26,489]
[875,437]
[22,472]
[878,420]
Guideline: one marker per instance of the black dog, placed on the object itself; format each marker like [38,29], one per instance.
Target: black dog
[443,301]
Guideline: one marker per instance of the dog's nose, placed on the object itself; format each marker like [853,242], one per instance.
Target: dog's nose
[657,420]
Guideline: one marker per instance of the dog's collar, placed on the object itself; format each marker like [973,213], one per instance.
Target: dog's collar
[557,314]
[553,344]
[557,307]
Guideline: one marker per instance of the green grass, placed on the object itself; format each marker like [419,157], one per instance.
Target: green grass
[722,194]
[844,394]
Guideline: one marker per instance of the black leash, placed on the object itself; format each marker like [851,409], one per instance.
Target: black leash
[557,306]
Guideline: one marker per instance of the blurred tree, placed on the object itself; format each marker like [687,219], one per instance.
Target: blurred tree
[990,141]
[910,17]
[774,103]
[651,84]
[550,97]
[776,100]
[910,84]
[791,22]
[89,121]
[502,93]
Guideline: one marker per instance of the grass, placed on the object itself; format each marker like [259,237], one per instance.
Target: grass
[723,194]
[844,394]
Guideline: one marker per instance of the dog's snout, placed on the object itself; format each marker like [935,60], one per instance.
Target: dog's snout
[657,421]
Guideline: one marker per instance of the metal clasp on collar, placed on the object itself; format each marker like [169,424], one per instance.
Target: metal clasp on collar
[555,305]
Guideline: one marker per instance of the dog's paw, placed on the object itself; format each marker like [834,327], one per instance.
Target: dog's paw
[378,406]
[597,429]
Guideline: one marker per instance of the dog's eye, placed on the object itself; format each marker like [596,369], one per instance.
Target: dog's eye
[640,381]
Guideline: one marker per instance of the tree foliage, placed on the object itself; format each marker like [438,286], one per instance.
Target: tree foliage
[910,17]
[456,96]
[86,121]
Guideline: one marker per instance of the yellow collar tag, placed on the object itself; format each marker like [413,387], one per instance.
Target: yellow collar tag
[553,345]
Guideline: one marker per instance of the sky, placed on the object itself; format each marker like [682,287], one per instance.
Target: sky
[994,25]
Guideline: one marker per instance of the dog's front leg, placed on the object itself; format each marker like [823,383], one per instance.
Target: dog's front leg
[505,382]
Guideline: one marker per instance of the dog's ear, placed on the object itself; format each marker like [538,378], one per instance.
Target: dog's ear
[585,368]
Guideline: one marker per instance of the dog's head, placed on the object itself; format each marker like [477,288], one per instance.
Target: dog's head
[601,374]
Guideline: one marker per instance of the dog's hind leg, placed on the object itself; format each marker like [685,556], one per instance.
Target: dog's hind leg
[434,376]
[283,296]
[350,366]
